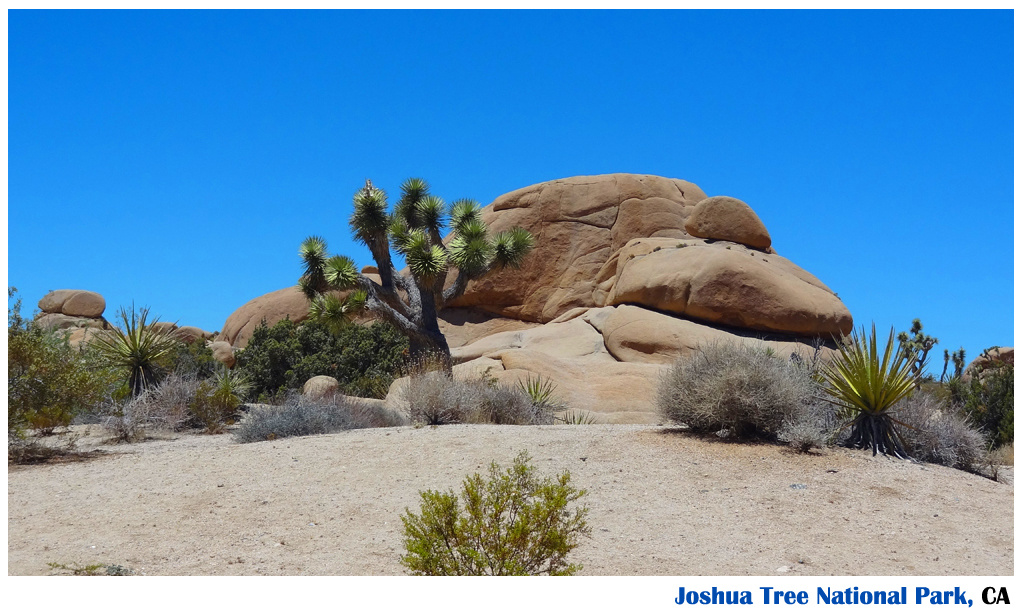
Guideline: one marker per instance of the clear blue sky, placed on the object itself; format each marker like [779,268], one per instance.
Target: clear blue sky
[177,159]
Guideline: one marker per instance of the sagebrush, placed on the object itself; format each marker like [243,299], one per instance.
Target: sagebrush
[744,389]
[435,397]
[301,415]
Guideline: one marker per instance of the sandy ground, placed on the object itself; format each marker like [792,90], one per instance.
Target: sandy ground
[661,503]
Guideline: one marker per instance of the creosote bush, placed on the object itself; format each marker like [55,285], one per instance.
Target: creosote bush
[301,415]
[515,523]
[744,389]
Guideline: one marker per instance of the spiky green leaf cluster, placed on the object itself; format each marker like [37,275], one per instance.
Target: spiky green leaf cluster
[138,349]
[865,384]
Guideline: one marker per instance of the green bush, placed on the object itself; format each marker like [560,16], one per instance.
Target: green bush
[194,360]
[48,381]
[988,401]
[514,524]
[214,406]
[364,359]
[744,389]
[137,349]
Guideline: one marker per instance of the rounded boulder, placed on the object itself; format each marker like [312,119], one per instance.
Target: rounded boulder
[723,218]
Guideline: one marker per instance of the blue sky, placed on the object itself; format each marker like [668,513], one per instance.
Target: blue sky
[177,159]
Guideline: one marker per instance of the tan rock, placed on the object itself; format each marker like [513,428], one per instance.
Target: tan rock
[571,339]
[634,334]
[728,219]
[223,352]
[728,284]
[462,326]
[320,386]
[578,224]
[80,336]
[273,307]
[85,304]
[616,392]
[164,328]
[59,321]
[188,334]
[54,301]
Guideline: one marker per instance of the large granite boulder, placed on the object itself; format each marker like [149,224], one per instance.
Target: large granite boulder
[272,307]
[80,303]
[595,243]
[579,223]
[729,284]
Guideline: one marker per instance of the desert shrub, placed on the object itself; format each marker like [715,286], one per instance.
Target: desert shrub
[364,359]
[194,360]
[168,405]
[515,523]
[49,382]
[542,392]
[744,389]
[436,398]
[813,424]
[299,416]
[214,406]
[128,418]
[988,401]
[576,417]
[939,433]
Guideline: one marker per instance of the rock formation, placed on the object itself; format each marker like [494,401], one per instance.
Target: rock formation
[629,273]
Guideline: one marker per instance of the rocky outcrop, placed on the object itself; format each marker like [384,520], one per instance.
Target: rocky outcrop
[78,312]
[79,303]
[596,239]
[271,307]
[992,358]
[728,284]
[223,352]
[579,224]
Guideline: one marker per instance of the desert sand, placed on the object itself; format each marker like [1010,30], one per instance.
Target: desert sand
[661,502]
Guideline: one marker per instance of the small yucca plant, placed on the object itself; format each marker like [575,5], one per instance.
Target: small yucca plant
[138,349]
[865,386]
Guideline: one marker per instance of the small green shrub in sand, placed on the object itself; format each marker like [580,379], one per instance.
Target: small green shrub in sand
[515,523]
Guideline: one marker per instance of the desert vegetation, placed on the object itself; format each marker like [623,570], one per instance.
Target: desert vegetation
[514,524]
[868,395]
[410,302]
[364,359]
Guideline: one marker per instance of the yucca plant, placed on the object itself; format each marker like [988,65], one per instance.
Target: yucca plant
[864,386]
[137,349]
[413,229]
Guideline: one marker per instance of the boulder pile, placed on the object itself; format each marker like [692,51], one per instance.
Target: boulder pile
[81,313]
[628,273]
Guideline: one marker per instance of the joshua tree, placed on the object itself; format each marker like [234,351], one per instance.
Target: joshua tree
[410,301]
[915,346]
